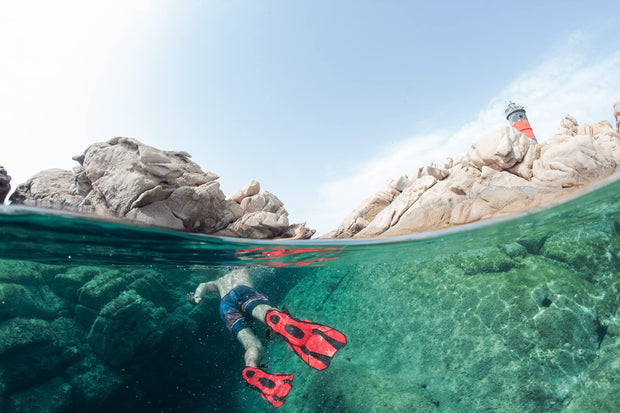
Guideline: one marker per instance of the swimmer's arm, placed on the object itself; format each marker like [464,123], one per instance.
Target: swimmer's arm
[201,291]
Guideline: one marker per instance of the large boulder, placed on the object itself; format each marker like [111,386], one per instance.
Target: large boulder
[128,179]
[500,149]
[260,215]
[504,171]
[52,188]
[5,184]
[573,160]
[124,326]
[364,214]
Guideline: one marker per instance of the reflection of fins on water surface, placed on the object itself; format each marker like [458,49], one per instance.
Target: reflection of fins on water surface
[282,256]
[314,343]
[272,387]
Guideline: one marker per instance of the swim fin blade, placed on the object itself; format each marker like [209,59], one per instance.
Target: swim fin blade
[314,343]
[272,387]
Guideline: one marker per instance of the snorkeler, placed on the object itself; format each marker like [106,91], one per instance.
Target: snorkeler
[316,344]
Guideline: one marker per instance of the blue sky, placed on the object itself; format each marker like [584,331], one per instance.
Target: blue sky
[320,101]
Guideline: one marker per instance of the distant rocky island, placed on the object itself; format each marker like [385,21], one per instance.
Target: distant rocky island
[124,178]
[504,171]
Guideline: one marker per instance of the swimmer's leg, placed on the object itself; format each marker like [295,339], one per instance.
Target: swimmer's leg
[272,387]
[260,312]
[254,350]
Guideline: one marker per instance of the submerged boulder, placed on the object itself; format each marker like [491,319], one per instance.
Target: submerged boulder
[124,178]
[124,326]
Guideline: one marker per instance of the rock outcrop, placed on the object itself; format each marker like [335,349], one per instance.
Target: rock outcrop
[503,171]
[124,178]
[5,184]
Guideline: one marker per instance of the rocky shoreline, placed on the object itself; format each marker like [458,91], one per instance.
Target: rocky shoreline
[124,178]
[503,171]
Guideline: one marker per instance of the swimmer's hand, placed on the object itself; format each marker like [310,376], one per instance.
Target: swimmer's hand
[192,299]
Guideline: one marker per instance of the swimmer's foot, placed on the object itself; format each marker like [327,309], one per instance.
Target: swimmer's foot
[314,343]
[272,387]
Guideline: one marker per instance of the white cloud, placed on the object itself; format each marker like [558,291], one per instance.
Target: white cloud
[568,84]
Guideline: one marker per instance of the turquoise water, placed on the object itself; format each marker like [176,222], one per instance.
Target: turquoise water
[517,314]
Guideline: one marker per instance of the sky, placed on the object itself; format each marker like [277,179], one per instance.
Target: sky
[322,102]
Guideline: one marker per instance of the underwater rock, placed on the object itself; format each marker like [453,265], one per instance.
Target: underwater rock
[29,352]
[599,392]
[502,172]
[494,329]
[589,251]
[123,326]
[53,396]
[67,284]
[348,387]
[5,184]
[19,333]
[25,272]
[124,178]
[19,300]
[93,383]
[103,288]
[59,355]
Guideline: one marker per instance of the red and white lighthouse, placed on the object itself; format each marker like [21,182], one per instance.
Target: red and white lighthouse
[517,118]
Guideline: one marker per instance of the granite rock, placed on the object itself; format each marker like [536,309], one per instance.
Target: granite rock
[124,178]
[5,184]
[502,172]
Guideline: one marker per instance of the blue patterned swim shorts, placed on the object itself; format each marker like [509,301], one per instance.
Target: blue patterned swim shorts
[236,307]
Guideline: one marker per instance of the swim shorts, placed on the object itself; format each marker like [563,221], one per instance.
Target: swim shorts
[236,307]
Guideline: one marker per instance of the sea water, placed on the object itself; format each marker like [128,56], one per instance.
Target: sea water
[514,314]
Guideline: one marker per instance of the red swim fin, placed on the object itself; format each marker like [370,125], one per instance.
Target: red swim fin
[314,343]
[272,387]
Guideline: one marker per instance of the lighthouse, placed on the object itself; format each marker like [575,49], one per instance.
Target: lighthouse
[517,118]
